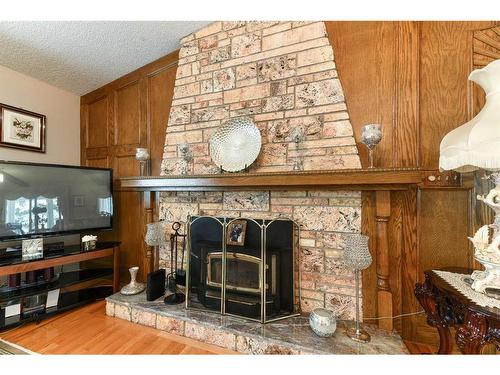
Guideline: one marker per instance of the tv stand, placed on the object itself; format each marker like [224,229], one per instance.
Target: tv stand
[30,302]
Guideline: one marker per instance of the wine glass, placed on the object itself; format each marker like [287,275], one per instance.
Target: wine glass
[371,135]
[142,155]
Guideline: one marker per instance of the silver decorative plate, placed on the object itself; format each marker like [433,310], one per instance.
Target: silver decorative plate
[236,144]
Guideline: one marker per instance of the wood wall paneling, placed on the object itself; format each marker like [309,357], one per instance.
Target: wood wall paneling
[97,123]
[125,165]
[117,118]
[160,94]
[127,124]
[98,162]
[444,94]
[405,99]
[368,87]
[444,223]
[137,110]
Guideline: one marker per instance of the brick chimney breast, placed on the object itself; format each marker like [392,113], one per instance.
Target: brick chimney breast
[283,76]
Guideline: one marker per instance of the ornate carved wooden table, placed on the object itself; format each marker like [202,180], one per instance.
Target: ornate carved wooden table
[476,326]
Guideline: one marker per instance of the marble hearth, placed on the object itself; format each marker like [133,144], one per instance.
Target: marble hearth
[290,336]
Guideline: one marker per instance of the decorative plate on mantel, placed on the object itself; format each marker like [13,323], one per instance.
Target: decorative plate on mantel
[236,144]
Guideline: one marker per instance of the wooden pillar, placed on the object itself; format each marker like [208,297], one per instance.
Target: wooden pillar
[148,253]
[156,217]
[384,295]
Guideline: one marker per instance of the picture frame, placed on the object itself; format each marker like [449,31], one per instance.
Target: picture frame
[236,232]
[22,129]
[32,249]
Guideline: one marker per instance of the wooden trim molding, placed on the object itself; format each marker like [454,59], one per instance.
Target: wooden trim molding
[352,179]
[486,46]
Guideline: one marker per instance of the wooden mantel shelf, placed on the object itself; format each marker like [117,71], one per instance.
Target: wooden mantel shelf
[347,179]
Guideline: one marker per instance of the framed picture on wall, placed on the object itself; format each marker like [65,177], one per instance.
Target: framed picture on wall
[21,129]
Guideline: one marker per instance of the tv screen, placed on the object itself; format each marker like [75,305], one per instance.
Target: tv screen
[41,199]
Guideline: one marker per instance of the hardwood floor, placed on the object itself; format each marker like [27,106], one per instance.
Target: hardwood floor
[89,331]
[419,348]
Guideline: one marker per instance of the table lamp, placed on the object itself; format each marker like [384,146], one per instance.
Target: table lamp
[476,145]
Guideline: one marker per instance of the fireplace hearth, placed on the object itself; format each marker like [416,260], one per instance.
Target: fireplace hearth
[243,267]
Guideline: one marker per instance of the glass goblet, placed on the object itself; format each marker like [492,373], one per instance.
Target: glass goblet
[371,135]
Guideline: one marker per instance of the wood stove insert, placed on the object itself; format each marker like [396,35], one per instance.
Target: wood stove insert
[234,279]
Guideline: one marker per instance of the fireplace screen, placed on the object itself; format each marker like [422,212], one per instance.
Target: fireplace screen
[243,267]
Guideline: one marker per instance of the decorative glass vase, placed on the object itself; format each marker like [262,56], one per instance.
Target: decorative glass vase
[323,322]
[142,156]
[133,287]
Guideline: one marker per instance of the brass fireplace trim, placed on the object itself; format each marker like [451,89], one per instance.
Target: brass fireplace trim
[215,296]
[233,255]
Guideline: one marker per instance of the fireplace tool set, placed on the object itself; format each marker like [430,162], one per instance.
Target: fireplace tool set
[156,236]
[177,275]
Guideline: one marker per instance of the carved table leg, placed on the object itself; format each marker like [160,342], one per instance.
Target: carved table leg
[427,299]
[471,335]
[445,343]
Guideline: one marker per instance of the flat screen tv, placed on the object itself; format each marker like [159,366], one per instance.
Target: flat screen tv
[45,200]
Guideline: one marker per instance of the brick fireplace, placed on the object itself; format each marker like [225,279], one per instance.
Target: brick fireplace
[283,76]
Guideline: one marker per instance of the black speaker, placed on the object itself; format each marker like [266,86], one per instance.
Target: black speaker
[156,285]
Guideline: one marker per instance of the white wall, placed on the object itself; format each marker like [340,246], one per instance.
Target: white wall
[62,111]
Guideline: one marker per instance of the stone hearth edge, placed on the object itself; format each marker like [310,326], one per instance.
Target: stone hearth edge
[289,336]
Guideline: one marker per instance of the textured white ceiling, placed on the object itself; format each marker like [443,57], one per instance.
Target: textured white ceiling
[80,56]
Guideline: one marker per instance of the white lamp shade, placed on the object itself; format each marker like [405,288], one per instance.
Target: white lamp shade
[476,144]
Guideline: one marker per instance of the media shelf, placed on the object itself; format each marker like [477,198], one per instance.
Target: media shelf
[30,302]
[65,279]
[67,301]
[15,258]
